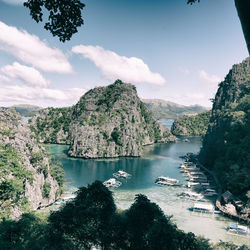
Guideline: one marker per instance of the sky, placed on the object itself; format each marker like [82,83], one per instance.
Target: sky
[169,50]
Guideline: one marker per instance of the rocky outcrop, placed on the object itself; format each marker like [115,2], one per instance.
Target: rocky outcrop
[106,122]
[51,125]
[195,125]
[225,147]
[26,180]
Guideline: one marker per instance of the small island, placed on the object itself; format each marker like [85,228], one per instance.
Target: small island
[107,122]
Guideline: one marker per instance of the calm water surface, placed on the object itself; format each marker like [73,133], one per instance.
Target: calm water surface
[160,159]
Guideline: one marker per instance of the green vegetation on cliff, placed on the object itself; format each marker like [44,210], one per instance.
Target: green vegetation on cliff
[195,125]
[51,125]
[226,145]
[106,122]
[28,178]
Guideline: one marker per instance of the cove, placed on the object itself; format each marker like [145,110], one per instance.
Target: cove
[157,160]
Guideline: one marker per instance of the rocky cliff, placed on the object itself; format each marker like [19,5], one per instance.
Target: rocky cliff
[192,125]
[51,125]
[106,122]
[226,145]
[28,179]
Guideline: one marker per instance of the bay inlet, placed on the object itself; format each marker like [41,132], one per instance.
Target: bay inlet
[157,160]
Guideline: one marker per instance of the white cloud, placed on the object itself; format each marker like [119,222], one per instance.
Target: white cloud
[31,50]
[40,96]
[114,66]
[209,78]
[4,79]
[27,75]
[14,2]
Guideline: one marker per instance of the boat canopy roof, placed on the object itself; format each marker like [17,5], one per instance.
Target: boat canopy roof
[204,206]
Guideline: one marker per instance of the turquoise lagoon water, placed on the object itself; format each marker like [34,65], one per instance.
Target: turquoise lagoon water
[157,160]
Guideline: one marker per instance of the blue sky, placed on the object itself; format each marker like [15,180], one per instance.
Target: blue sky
[168,49]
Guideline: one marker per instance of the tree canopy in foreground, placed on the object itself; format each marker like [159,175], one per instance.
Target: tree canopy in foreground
[64,16]
[92,220]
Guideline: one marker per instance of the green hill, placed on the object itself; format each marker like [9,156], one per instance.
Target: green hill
[162,109]
[26,109]
[226,145]
[192,125]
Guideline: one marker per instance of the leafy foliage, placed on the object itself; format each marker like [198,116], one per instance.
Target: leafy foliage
[47,127]
[191,125]
[91,220]
[116,136]
[12,175]
[226,145]
[64,16]
[46,190]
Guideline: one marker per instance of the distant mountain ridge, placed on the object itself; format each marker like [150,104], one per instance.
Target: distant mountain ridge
[162,109]
[26,110]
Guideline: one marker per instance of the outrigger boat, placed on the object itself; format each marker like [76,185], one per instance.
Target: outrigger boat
[162,180]
[191,196]
[209,192]
[192,184]
[112,183]
[238,229]
[122,174]
[203,208]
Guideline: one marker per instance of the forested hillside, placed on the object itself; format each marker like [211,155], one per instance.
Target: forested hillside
[195,125]
[107,121]
[226,145]
[28,177]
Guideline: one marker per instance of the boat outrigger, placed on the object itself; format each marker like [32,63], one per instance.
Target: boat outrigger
[192,196]
[121,174]
[238,229]
[203,208]
[112,183]
[162,180]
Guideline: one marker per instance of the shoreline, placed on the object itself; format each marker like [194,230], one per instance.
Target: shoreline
[219,190]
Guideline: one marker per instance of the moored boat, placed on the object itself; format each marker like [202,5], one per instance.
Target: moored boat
[112,183]
[162,180]
[238,229]
[191,196]
[122,174]
[209,192]
[202,208]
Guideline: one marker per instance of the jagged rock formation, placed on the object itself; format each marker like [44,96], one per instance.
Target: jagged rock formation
[106,122]
[162,109]
[226,145]
[195,125]
[26,172]
[51,125]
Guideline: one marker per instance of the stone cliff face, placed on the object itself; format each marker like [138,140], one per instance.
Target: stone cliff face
[51,125]
[26,181]
[109,122]
[226,144]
